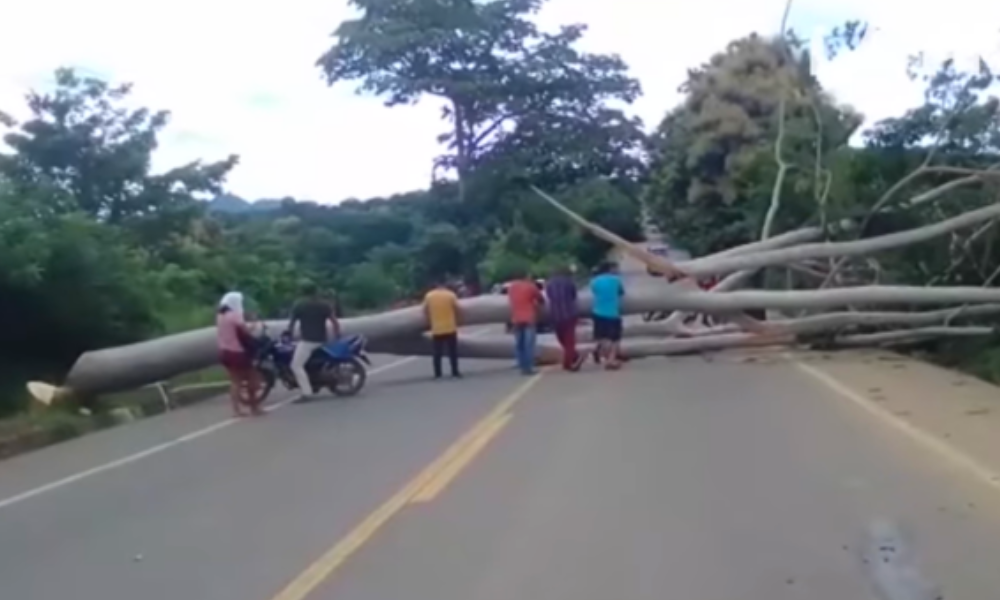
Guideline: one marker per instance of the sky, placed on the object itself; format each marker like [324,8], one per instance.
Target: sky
[240,77]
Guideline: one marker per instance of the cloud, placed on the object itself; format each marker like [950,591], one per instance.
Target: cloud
[240,78]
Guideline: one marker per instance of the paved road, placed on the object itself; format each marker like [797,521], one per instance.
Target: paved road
[677,478]
[670,479]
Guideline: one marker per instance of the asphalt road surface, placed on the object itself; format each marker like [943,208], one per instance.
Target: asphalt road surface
[679,479]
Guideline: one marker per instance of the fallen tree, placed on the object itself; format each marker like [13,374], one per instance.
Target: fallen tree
[399,331]
[866,312]
[125,367]
[835,321]
[724,264]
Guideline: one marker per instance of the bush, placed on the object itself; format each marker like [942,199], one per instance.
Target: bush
[36,429]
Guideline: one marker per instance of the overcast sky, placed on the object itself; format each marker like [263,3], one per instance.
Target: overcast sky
[239,78]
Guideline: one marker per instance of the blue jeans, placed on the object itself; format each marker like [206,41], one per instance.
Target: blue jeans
[525,337]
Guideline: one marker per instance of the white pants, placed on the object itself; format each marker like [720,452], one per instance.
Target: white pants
[302,353]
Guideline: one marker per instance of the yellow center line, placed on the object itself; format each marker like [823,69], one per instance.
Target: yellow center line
[458,455]
[446,475]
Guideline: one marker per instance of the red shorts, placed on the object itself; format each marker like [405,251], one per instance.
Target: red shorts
[237,363]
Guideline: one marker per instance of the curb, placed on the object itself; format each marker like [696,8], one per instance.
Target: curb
[38,437]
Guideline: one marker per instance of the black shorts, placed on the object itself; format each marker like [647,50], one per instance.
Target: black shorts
[607,328]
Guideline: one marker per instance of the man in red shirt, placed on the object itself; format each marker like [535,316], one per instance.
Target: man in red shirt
[525,301]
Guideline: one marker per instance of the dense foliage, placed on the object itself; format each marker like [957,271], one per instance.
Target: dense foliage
[714,164]
[97,249]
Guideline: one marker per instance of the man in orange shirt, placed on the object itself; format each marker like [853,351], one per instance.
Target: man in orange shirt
[525,301]
[442,312]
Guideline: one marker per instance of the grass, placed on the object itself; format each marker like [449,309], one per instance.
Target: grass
[30,425]
[978,357]
[37,428]
[40,426]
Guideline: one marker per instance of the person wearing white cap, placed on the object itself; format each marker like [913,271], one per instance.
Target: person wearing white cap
[234,339]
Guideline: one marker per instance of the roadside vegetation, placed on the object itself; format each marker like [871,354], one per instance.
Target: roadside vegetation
[97,250]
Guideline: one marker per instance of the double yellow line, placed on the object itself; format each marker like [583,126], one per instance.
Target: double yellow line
[426,486]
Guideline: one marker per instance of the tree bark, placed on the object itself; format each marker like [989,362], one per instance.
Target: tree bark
[827,322]
[135,365]
[497,347]
[840,249]
[909,336]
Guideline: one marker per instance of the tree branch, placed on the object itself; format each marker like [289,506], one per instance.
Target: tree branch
[908,336]
[783,166]
[914,201]
[835,321]
[843,249]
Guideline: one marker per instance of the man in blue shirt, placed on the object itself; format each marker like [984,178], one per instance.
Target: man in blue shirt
[607,290]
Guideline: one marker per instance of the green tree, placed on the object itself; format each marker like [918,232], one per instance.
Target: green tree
[397,263]
[503,82]
[82,140]
[607,205]
[368,286]
[67,284]
[713,157]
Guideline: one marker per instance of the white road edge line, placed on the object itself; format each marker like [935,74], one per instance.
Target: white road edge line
[131,458]
[949,453]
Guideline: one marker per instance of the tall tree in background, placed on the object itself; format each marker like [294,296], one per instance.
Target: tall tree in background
[511,92]
[95,248]
[713,156]
[91,151]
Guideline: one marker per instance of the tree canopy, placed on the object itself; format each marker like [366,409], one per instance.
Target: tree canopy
[97,249]
[713,156]
[517,98]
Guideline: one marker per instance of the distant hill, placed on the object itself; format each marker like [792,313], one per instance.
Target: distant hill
[228,203]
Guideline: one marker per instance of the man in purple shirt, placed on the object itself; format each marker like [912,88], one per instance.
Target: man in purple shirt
[560,293]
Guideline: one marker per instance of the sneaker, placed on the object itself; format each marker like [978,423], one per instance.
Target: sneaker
[580,359]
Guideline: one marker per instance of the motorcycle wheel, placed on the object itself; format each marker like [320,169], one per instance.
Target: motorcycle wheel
[345,378]
[268,377]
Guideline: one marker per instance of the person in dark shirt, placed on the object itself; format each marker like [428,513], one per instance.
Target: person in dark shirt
[560,292]
[311,313]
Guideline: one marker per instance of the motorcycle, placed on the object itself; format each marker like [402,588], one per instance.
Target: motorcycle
[340,366]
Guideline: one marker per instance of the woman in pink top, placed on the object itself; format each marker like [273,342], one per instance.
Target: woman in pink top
[231,331]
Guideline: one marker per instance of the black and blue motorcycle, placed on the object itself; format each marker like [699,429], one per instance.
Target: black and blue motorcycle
[340,366]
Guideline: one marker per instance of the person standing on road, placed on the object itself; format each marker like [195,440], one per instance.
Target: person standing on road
[443,315]
[607,291]
[235,342]
[560,295]
[525,301]
[311,313]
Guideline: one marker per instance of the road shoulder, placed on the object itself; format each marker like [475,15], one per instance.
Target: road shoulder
[952,414]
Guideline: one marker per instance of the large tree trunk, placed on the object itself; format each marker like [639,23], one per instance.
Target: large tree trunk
[400,331]
[126,367]
[497,347]
[827,322]
[886,338]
